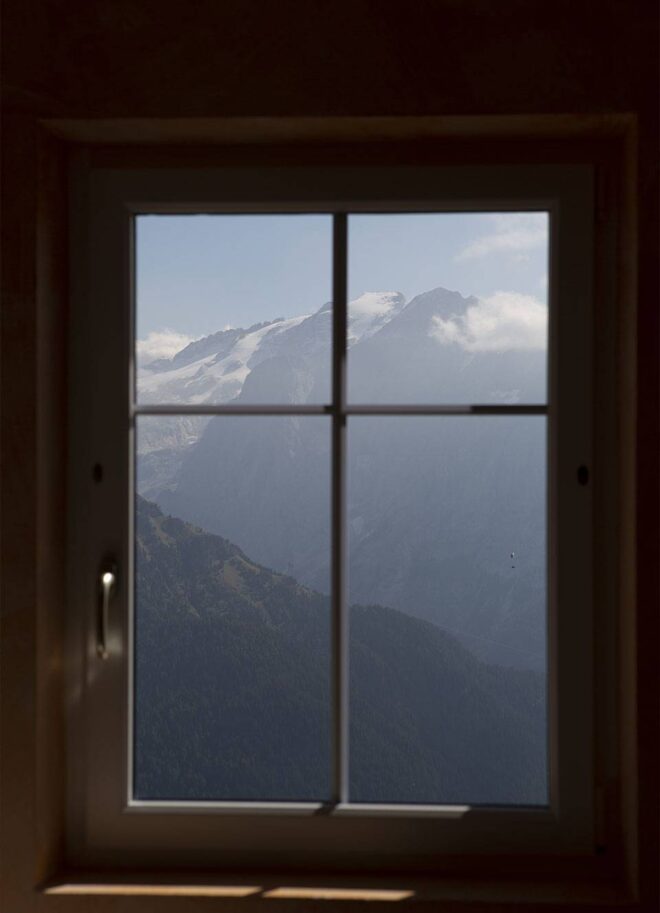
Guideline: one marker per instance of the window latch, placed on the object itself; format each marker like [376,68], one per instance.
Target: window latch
[107,586]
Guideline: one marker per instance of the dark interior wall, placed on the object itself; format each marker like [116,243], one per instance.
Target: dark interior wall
[278,58]
[166,58]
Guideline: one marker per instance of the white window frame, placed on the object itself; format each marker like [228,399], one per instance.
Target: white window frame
[105,825]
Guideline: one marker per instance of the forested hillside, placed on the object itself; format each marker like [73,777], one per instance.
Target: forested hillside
[233,690]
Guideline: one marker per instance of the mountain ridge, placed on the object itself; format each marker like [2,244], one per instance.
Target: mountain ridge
[368,314]
[436,504]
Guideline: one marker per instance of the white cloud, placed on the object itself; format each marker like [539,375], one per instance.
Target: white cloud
[513,233]
[161,344]
[502,322]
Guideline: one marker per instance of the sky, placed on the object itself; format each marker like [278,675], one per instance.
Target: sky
[198,274]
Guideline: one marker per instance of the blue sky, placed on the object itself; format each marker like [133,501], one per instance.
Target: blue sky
[199,274]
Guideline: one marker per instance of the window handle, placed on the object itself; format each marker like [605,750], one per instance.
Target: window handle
[107,585]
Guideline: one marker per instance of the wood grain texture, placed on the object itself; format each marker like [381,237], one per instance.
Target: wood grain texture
[19,515]
[164,58]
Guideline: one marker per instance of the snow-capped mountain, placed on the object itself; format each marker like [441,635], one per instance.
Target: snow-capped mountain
[397,355]
[281,361]
[210,370]
[284,360]
[436,504]
[370,312]
[214,369]
[429,349]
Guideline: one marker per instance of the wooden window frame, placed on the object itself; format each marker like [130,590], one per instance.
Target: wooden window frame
[102,417]
[608,878]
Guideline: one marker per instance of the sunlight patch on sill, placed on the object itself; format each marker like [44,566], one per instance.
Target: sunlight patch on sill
[337,894]
[235,891]
[156,890]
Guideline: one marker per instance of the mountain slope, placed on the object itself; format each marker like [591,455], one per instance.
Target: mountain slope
[435,508]
[436,505]
[233,690]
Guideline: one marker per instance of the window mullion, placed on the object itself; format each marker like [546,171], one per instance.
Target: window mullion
[339,551]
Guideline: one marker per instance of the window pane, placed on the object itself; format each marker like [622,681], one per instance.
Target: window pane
[233,308]
[447,541]
[448,308]
[232,653]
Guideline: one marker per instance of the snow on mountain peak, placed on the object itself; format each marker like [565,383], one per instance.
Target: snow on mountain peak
[214,376]
[370,311]
[213,369]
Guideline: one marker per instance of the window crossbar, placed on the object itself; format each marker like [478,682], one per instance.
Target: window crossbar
[332,409]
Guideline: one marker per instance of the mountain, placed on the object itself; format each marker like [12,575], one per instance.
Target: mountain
[409,361]
[396,355]
[278,361]
[437,505]
[233,690]
[209,370]
[215,369]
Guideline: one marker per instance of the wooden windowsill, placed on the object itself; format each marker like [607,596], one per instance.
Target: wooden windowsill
[591,886]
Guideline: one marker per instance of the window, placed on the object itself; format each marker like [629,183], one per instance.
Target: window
[361,426]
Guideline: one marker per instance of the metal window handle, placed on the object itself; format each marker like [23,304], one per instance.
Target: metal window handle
[107,583]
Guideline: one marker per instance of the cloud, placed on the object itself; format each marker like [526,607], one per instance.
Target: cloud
[513,233]
[503,322]
[161,344]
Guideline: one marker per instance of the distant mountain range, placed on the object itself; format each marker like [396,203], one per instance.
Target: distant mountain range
[446,515]
[233,690]
[400,352]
